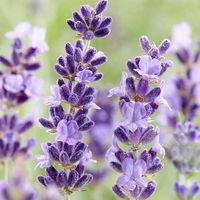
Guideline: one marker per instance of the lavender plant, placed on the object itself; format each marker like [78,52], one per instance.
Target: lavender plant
[65,158]
[139,97]
[18,85]
[183,146]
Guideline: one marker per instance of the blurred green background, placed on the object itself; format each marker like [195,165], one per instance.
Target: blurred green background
[131,19]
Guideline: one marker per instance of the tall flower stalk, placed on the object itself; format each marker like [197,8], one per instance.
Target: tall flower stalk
[182,93]
[65,158]
[136,140]
[17,86]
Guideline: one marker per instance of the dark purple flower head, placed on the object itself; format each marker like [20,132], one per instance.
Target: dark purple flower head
[141,93]
[78,96]
[138,138]
[150,48]
[74,181]
[80,64]
[90,23]
[67,126]
[67,155]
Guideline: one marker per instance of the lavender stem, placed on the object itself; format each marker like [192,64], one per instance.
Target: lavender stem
[87,45]
[6,163]
[66,196]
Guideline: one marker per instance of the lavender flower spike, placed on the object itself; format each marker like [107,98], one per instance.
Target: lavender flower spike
[65,159]
[89,23]
[139,98]
[182,94]
[18,86]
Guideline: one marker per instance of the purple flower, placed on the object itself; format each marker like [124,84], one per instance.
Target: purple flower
[138,100]
[66,154]
[89,23]
[31,87]
[132,183]
[57,113]
[149,67]
[79,64]
[85,76]
[37,39]
[184,146]
[43,160]
[132,174]
[121,90]
[141,136]
[135,114]
[72,182]
[76,69]
[20,31]
[18,82]
[36,35]
[68,131]
[181,37]
[14,83]
[55,99]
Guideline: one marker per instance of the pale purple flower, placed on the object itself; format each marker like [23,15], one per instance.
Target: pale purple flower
[181,37]
[37,39]
[133,172]
[44,159]
[36,35]
[135,114]
[32,87]
[158,147]
[149,67]
[85,76]
[68,131]
[110,154]
[55,99]
[195,74]
[20,31]
[87,157]
[14,83]
[121,90]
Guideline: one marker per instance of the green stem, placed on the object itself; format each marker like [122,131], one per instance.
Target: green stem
[66,196]
[6,163]
[87,45]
